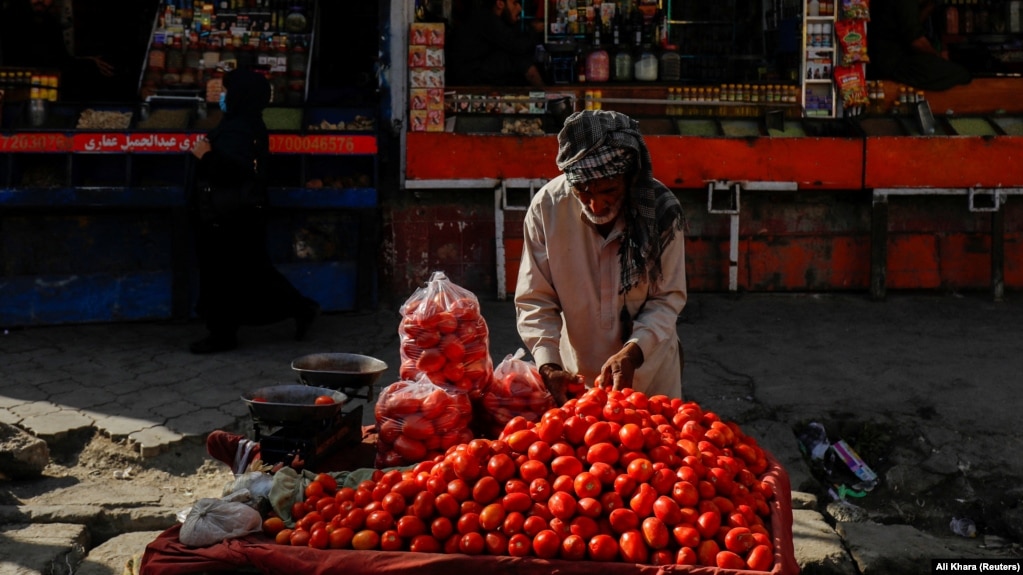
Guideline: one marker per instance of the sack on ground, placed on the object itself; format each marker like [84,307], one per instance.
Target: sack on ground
[211,521]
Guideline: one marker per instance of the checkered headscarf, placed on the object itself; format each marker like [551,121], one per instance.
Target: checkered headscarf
[594,144]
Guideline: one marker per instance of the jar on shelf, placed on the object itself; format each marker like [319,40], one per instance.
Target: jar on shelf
[645,67]
[297,61]
[670,66]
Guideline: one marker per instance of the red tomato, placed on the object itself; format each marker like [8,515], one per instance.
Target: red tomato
[642,502]
[667,510]
[492,516]
[533,525]
[446,505]
[588,507]
[424,544]
[298,538]
[486,490]
[540,490]
[441,528]
[549,429]
[379,521]
[686,535]
[323,400]
[631,436]
[501,466]
[739,540]
[760,558]
[708,523]
[340,538]
[409,526]
[566,465]
[517,501]
[598,432]
[471,543]
[391,541]
[603,547]
[602,452]
[625,485]
[562,505]
[573,548]
[532,469]
[546,544]
[468,523]
[586,485]
[366,539]
[520,545]
[623,520]
[707,552]
[655,533]
[728,559]
[540,450]
[431,360]
[520,440]
[319,538]
[513,523]
[686,556]
[495,543]
[632,547]
[640,469]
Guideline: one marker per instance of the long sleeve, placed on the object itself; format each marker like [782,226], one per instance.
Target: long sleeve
[655,325]
[537,306]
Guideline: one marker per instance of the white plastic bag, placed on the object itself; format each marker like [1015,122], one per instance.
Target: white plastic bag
[211,521]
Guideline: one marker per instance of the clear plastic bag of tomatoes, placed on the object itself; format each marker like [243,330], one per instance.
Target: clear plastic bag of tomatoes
[516,390]
[444,336]
[417,420]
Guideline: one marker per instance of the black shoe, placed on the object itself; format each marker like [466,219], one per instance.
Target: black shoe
[213,344]
[304,318]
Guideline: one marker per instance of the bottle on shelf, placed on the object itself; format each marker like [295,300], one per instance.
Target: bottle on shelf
[598,64]
[813,8]
[952,19]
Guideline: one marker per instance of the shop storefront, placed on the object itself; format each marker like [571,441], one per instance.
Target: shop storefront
[799,171]
[93,194]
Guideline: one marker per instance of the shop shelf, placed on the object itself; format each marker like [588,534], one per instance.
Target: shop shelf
[699,127]
[1010,125]
[340,120]
[283,119]
[105,118]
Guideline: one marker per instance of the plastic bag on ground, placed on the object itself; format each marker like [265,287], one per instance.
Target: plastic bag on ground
[516,390]
[211,521]
[444,336]
[417,420]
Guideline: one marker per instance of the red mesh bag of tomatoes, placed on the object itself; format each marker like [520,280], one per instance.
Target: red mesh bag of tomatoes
[516,390]
[444,336]
[417,420]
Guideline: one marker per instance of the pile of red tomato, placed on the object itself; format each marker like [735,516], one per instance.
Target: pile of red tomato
[418,420]
[444,336]
[609,476]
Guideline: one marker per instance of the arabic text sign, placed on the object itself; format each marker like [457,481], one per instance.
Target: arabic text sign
[133,142]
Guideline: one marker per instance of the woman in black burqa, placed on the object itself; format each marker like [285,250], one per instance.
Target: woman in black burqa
[238,283]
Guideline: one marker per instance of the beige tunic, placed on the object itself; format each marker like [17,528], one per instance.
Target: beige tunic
[567,297]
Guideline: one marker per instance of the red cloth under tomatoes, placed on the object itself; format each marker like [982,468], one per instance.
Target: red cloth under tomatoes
[168,556]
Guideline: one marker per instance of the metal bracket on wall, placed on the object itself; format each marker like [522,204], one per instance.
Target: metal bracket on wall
[502,204]
[980,200]
[730,205]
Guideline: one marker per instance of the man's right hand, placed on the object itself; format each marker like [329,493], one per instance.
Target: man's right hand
[557,381]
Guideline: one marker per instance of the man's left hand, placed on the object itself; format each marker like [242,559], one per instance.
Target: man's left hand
[620,368]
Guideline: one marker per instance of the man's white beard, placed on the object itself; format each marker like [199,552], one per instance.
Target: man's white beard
[605,219]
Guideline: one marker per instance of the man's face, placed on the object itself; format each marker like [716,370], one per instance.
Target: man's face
[602,199]
[512,11]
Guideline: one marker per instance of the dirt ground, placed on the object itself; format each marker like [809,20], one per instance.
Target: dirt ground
[180,477]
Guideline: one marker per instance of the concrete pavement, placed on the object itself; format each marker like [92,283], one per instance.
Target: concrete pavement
[927,384]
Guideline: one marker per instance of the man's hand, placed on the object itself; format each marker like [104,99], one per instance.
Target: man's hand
[619,369]
[557,381]
[105,68]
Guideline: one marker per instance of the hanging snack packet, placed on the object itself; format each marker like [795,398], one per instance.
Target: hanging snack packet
[417,420]
[852,38]
[852,85]
[517,390]
[444,336]
[855,10]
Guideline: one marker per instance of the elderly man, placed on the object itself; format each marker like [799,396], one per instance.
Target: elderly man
[602,279]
